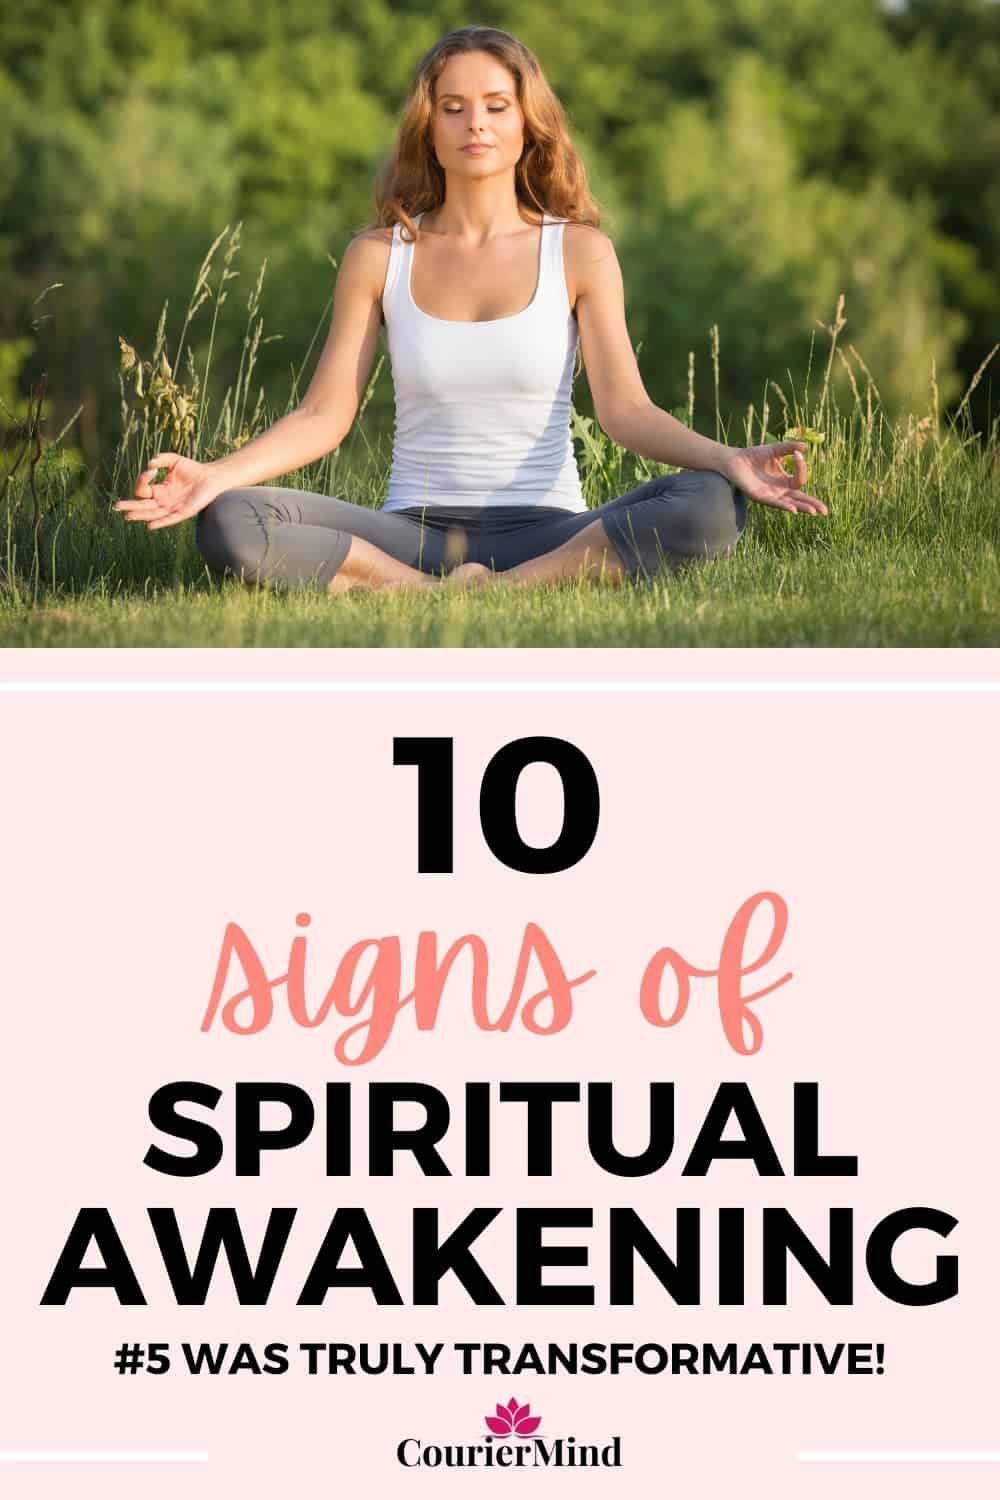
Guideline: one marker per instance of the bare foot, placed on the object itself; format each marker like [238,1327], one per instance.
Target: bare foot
[343,583]
[474,573]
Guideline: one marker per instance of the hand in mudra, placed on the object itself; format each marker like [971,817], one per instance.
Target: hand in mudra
[187,487]
[760,474]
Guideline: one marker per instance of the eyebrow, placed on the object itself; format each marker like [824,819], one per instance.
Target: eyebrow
[491,95]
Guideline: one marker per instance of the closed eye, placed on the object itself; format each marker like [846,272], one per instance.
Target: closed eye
[497,111]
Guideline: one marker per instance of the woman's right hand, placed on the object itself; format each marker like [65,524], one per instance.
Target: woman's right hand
[187,488]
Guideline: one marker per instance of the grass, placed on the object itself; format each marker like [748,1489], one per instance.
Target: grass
[908,556]
[859,600]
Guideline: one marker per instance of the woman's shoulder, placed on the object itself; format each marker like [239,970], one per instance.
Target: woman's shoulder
[584,246]
[373,244]
[381,234]
[374,241]
[586,237]
[367,258]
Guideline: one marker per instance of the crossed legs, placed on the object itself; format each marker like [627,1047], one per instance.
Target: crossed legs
[675,520]
[588,554]
[286,537]
[367,567]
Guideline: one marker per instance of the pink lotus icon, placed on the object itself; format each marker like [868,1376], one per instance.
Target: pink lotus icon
[513,1420]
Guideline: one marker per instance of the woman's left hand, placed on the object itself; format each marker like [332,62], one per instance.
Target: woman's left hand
[759,473]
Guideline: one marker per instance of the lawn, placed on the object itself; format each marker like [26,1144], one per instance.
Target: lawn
[909,554]
[906,595]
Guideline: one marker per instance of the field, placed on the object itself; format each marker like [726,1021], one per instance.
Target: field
[908,555]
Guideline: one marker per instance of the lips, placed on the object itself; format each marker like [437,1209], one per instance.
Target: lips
[477,148]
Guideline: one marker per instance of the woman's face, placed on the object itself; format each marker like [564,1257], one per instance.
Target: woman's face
[475,99]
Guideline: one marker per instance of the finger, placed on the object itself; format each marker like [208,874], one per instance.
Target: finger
[157,462]
[787,502]
[773,500]
[152,500]
[797,452]
[801,474]
[145,487]
[169,520]
[810,509]
[809,503]
[144,515]
[134,505]
[160,461]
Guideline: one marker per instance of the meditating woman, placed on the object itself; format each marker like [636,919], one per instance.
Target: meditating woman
[487,267]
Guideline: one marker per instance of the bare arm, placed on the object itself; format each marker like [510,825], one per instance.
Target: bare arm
[323,418]
[627,414]
[621,402]
[317,425]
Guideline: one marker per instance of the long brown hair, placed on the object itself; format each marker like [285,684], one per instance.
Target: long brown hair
[549,178]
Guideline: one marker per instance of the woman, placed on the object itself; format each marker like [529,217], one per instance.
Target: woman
[483,327]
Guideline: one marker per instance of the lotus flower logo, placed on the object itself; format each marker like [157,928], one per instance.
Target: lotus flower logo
[513,1420]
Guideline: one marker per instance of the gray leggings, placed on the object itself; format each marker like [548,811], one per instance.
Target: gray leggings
[286,537]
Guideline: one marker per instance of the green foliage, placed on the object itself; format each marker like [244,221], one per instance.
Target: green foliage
[13,355]
[755,161]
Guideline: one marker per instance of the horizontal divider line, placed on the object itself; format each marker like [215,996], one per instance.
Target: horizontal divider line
[146,686]
[98,1456]
[903,1456]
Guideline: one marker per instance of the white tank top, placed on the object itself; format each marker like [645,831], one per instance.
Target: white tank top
[483,409]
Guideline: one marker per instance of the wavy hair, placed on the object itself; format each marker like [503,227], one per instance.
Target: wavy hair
[549,178]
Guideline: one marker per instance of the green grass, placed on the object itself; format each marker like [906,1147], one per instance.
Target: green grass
[911,597]
[908,556]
